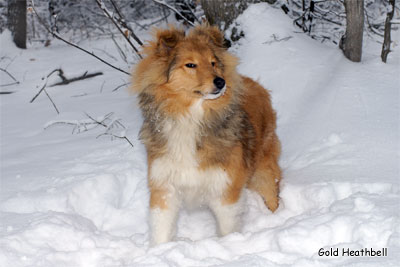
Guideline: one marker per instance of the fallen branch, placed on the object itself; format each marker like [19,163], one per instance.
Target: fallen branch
[57,36]
[66,81]
[174,9]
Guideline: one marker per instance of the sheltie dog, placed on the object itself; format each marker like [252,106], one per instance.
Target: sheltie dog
[209,132]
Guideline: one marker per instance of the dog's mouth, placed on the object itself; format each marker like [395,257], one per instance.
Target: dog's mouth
[215,93]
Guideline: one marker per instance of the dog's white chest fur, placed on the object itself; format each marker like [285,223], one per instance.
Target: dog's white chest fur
[178,168]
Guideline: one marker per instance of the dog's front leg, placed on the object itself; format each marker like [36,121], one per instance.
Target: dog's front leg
[164,207]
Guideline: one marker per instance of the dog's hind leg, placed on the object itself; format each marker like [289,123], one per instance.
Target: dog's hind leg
[267,175]
[228,215]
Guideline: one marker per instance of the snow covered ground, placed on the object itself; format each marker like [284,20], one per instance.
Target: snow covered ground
[81,199]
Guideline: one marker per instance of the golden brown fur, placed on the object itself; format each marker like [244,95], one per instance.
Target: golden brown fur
[233,134]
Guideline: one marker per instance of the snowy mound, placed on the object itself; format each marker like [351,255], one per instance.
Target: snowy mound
[77,200]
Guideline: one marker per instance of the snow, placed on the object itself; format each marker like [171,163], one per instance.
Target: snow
[82,200]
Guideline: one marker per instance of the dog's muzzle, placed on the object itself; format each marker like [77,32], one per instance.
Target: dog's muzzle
[219,89]
[215,93]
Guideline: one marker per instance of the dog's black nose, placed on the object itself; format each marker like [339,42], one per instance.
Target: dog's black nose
[219,82]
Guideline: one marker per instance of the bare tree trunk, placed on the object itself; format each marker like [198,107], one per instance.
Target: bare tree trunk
[222,12]
[388,28]
[351,42]
[17,21]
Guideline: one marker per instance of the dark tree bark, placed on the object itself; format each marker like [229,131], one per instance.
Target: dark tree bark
[351,42]
[17,21]
[222,12]
[388,28]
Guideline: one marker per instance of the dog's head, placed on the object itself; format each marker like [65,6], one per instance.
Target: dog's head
[188,68]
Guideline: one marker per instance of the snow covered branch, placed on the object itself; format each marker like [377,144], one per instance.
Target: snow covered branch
[107,121]
[163,3]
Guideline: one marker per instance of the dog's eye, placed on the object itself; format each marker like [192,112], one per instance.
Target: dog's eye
[190,65]
[213,64]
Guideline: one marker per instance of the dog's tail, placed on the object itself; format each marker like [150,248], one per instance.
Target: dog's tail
[267,175]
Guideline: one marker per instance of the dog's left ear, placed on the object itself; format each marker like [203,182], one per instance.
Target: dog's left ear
[212,32]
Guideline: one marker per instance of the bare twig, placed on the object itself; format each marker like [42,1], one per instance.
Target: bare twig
[8,84]
[111,17]
[102,121]
[120,51]
[7,72]
[121,20]
[43,89]
[11,61]
[276,39]
[11,76]
[174,9]
[116,136]
[84,94]
[372,27]
[105,52]
[191,11]
[51,100]
[158,20]
[44,85]
[83,125]
[102,86]
[119,86]
[57,36]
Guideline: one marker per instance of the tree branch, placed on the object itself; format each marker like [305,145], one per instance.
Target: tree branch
[66,81]
[388,26]
[174,9]
[111,17]
[57,36]
[121,20]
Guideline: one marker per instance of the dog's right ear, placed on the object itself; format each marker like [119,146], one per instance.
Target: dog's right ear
[167,40]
